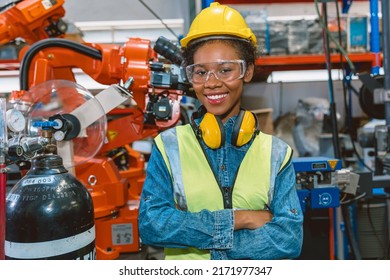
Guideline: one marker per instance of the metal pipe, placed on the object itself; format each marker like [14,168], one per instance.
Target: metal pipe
[375,45]
[333,112]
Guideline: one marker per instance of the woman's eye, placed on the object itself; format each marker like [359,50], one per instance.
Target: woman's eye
[200,72]
[225,70]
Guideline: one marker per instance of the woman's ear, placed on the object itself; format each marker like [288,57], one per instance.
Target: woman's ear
[249,73]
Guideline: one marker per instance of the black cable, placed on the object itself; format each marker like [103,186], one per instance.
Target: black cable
[358,155]
[158,17]
[50,43]
[347,103]
[348,225]
[354,90]
[349,131]
[344,206]
[333,113]
[352,200]
[349,230]
[331,37]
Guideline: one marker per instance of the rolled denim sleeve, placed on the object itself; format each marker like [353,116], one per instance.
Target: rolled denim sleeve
[282,237]
[161,224]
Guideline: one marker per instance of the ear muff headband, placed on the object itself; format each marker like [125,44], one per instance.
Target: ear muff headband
[245,127]
[212,131]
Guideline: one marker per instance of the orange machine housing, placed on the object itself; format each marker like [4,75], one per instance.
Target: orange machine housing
[32,21]
[115,212]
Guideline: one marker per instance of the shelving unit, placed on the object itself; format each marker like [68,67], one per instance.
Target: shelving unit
[265,65]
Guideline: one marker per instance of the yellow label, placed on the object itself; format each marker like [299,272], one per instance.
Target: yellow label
[333,163]
[111,135]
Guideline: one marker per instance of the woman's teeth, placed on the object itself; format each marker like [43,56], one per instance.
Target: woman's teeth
[216,97]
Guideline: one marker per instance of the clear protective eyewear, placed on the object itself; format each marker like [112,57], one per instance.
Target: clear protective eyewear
[223,70]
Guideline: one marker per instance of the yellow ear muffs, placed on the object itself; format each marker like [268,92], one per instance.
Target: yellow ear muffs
[212,131]
[244,128]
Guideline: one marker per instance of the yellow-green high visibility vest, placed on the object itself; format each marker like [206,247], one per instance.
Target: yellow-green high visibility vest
[195,186]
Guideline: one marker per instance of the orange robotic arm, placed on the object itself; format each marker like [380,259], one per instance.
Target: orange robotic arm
[156,88]
[32,20]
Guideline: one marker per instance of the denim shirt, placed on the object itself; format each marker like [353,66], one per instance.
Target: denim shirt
[161,224]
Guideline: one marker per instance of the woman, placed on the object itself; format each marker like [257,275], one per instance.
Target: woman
[218,188]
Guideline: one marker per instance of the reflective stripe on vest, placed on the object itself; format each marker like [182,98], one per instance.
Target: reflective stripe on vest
[195,187]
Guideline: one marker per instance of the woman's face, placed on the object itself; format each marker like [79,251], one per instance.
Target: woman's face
[221,98]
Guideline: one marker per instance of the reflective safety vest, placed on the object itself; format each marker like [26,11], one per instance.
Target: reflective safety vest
[196,188]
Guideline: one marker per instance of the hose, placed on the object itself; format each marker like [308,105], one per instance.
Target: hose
[50,43]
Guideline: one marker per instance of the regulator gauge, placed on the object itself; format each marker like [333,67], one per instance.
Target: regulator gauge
[16,122]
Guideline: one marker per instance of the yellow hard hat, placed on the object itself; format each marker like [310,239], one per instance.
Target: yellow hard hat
[218,20]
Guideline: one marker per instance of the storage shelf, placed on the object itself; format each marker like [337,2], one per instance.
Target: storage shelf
[265,65]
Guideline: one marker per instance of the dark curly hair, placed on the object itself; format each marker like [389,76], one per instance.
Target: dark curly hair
[246,50]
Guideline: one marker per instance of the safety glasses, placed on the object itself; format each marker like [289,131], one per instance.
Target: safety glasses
[223,70]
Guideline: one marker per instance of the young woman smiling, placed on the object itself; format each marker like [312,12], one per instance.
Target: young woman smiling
[219,188]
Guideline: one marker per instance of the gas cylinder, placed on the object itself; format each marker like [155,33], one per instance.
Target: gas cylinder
[49,214]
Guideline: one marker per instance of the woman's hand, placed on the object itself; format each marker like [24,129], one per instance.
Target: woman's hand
[251,219]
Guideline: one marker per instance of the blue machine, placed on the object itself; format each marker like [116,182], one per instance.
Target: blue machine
[315,182]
